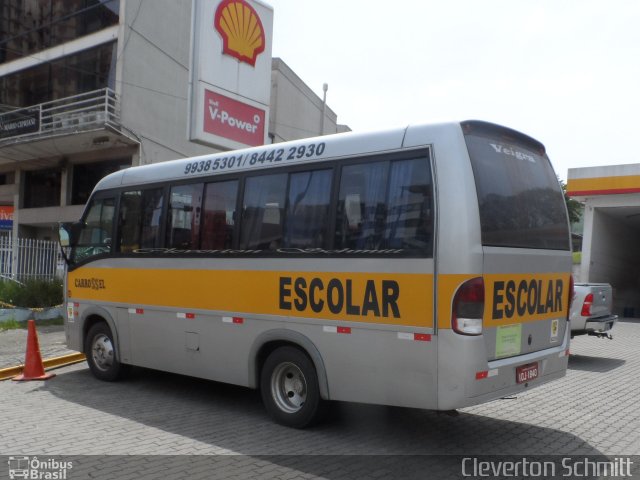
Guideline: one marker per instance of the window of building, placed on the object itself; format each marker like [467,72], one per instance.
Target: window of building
[183,221]
[28,27]
[87,175]
[85,71]
[140,219]
[7,178]
[42,188]
[219,215]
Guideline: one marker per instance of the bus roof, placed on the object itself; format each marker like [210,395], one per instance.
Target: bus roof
[295,152]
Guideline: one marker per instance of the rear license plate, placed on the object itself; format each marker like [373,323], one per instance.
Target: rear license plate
[526,373]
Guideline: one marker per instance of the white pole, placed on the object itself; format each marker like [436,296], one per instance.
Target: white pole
[325,87]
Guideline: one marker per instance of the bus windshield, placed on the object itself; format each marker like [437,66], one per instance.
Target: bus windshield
[521,202]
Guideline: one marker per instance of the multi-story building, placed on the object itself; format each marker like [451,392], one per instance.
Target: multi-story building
[88,87]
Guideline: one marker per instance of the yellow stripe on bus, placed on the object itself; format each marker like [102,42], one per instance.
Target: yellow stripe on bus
[383,298]
[509,298]
[525,298]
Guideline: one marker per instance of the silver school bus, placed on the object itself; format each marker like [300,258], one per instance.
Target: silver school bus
[425,267]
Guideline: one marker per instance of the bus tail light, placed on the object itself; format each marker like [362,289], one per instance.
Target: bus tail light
[468,307]
[586,305]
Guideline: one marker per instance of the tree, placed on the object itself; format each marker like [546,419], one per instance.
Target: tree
[573,206]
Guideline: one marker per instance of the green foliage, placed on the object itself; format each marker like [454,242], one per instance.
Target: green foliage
[32,294]
[10,325]
[574,207]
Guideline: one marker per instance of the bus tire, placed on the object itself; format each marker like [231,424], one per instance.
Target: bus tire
[289,388]
[100,349]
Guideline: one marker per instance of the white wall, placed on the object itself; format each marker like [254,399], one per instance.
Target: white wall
[614,257]
[153,77]
[296,111]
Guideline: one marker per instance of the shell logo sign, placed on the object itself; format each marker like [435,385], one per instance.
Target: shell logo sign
[241,30]
[230,72]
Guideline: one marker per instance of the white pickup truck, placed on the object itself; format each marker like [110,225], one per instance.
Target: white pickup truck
[591,310]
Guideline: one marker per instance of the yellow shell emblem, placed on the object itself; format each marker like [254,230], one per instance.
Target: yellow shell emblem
[241,30]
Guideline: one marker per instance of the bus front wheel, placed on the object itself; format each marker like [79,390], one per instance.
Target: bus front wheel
[100,350]
[289,388]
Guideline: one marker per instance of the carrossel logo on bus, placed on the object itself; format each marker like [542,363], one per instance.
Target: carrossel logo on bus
[241,30]
[234,120]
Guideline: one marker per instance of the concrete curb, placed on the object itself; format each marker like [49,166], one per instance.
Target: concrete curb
[49,364]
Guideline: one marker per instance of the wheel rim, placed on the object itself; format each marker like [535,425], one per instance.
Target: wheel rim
[102,352]
[288,387]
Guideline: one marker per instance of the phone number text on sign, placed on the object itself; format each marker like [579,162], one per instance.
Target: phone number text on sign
[272,156]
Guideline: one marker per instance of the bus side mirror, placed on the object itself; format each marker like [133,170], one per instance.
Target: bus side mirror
[65,238]
[68,233]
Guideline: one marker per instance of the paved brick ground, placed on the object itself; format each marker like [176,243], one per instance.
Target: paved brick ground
[594,410]
[13,344]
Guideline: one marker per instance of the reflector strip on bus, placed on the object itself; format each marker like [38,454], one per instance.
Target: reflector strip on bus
[486,374]
[420,337]
[237,320]
[330,329]
[136,311]
[186,315]
[564,353]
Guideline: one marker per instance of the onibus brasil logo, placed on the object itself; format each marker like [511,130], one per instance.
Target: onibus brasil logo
[38,469]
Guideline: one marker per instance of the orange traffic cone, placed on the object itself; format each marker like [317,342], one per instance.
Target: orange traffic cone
[33,367]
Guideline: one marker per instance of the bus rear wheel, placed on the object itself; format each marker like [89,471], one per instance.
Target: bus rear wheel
[289,388]
[100,350]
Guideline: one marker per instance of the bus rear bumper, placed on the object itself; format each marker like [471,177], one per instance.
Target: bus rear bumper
[498,379]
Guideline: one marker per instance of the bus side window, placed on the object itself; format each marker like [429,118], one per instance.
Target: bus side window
[263,207]
[361,206]
[139,219]
[95,236]
[183,221]
[307,219]
[129,221]
[386,206]
[409,222]
[219,215]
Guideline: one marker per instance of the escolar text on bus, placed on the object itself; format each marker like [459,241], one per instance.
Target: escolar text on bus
[338,297]
[533,297]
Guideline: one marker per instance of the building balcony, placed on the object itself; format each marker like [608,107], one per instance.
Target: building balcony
[81,123]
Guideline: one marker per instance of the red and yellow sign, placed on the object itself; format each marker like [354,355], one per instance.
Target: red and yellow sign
[577,187]
[241,30]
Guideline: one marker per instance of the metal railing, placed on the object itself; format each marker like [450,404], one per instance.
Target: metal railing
[85,111]
[25,258]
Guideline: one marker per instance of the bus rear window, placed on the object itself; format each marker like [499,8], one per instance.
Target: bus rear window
[521,203]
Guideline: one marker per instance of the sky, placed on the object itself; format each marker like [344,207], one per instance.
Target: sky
[566,72]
